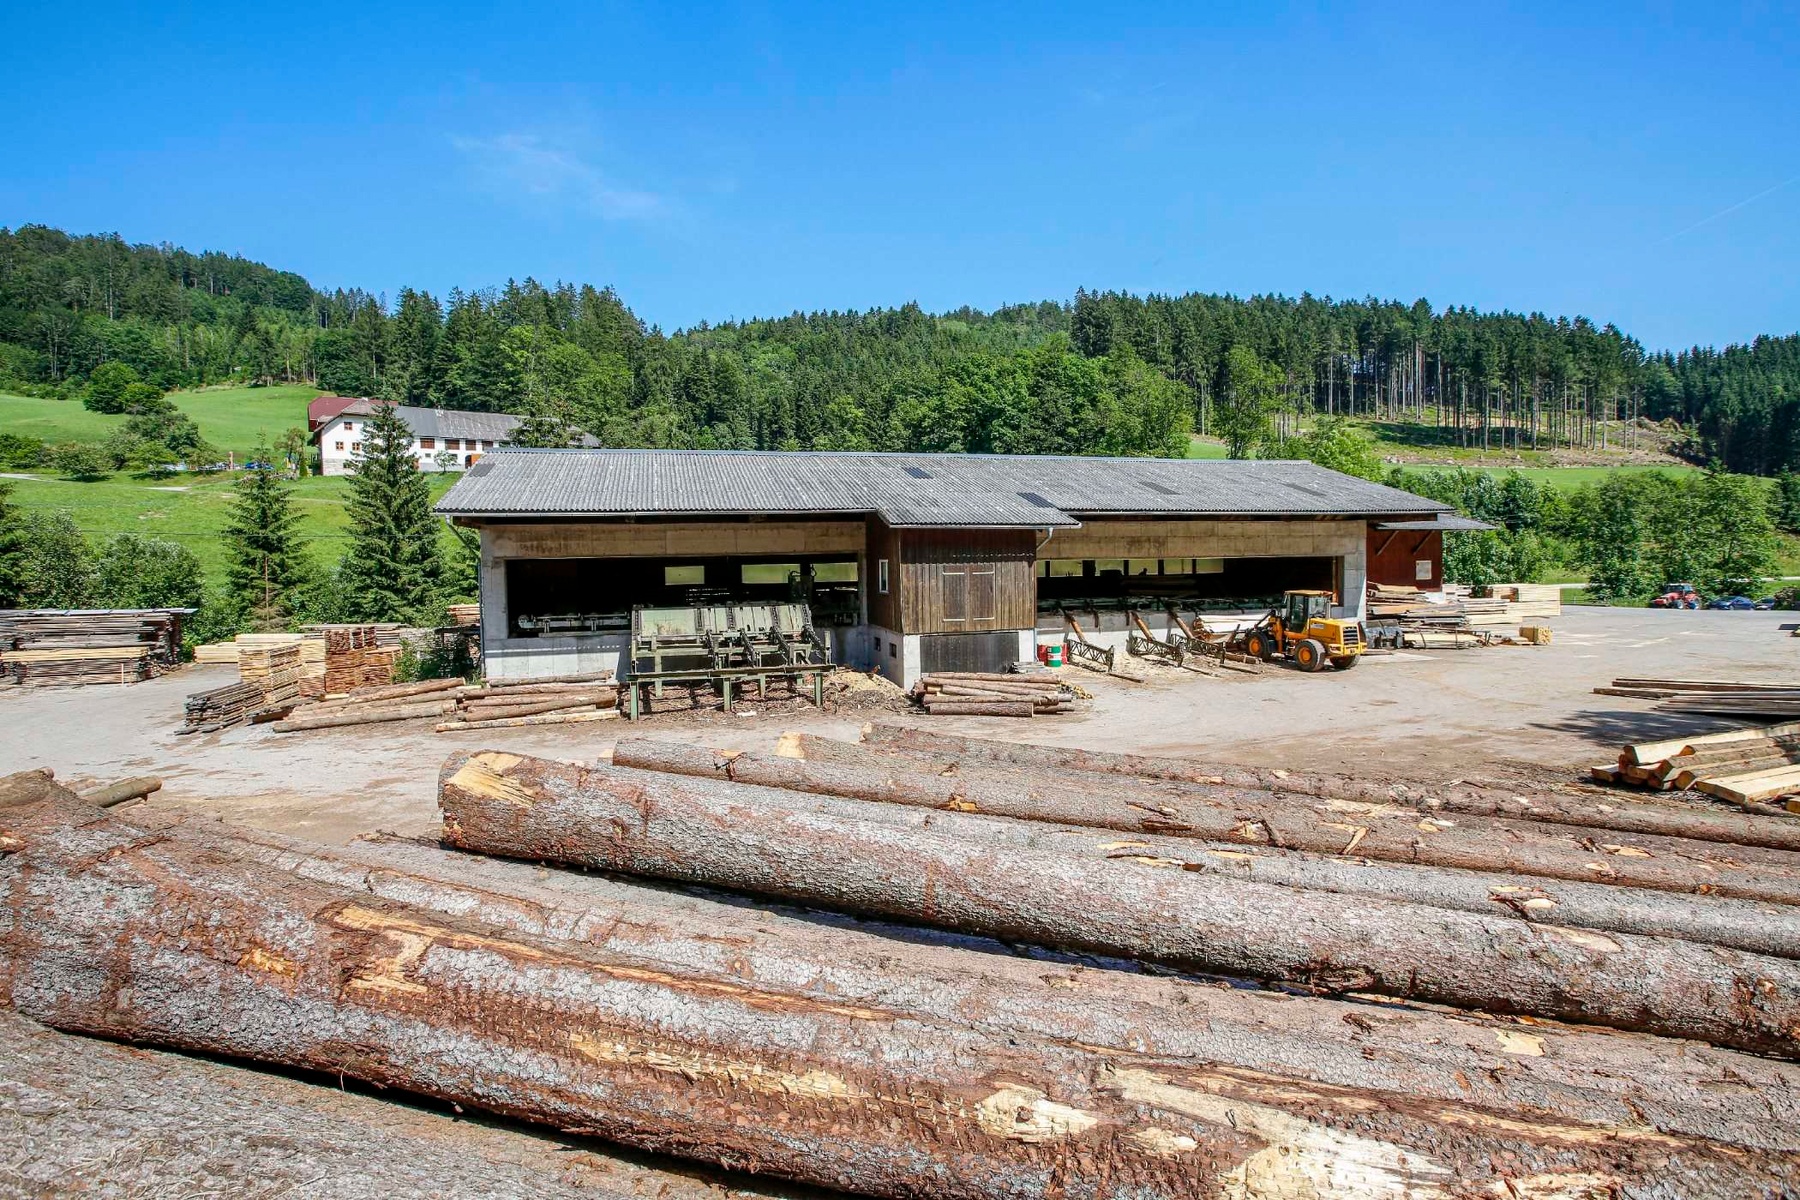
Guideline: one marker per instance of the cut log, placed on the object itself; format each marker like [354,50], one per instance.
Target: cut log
[484,692]
[577,717]
[1325,826]
[163,941]
[125,790]
[947,869]
[360,716]
[980,708]
[1612,1079]
[87,1116]
[1741,924]
[591,677]
[1644,754]
[1754,787]
[1624,816]
[531,707]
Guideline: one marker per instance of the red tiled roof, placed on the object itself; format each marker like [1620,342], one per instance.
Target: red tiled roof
[323,408]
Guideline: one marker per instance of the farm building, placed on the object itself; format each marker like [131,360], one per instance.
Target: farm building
[910,562]
[443,439]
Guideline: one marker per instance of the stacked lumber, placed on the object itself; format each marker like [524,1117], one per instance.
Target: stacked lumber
[878,1060]
[221,707]
[76,646]
[1750,767]
[1761,698]
[1529,600]
[275,670]
[463,615]
[345,648]
[989,694]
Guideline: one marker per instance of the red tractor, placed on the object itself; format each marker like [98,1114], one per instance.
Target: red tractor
[1676,595]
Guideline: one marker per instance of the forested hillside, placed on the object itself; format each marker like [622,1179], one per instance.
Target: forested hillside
[1103,373]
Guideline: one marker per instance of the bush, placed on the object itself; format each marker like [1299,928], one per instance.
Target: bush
[21,453]
[140,572]
[107,386]
[80,460]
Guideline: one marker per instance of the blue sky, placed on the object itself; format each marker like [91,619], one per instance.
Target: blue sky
[1634,163]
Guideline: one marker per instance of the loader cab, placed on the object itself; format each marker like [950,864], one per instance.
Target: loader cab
[1301,608]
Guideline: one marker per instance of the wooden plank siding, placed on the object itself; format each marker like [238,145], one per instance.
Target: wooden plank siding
[883,543]
[966,580]
[671,539]
[1395,555]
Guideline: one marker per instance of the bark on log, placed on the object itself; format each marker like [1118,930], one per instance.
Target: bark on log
[979,708]
[85,1116]
[555,718]
[530,708]
[394,691]
[371,716]
[1322,826]
[1611,1079]
[483,692]
[114,794]
[1595,811]
[157,940]
[947,869]
[589,678]
[1742,924]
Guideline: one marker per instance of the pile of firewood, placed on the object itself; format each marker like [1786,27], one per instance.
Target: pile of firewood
[1438,991]
[459,705]
[987,694]
[1754,767]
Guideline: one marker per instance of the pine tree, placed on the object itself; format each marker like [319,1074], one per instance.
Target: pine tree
[394,569]
[266,565]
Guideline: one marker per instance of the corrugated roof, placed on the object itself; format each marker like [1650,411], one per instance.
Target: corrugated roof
[909,490]
[1443,522]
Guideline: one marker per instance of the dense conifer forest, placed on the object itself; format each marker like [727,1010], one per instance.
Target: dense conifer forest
[1101,373]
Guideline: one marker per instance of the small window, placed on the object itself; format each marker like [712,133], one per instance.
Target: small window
[426,443]
[893,650]
[881,576]
[1109,566]
[768,572]
[1066,568]
[684,576]
[844,572]
[350,425]
[356,447]
[339,445]
[1209,566]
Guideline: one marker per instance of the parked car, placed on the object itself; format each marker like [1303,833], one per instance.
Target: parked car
[1676,595]
[1736,603]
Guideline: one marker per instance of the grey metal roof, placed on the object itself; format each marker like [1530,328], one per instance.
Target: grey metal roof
[909,490]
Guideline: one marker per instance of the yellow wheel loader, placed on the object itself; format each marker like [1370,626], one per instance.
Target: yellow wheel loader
[1304,631]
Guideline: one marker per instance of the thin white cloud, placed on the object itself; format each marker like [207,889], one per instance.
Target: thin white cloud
[528,165]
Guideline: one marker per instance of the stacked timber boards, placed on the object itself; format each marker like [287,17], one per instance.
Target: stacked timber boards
[74,646]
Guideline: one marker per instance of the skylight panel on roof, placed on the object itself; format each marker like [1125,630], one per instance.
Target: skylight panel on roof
[1034,498]
[1157,487]
[919,473]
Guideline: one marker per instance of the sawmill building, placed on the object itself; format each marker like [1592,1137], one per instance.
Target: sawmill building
[910,562]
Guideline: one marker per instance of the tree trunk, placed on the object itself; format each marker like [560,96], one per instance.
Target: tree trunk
[529,706]
[947,869]
[1625,816]
[1329,826]
[357,715]
[1241,847]
[1613,1078]
[165,941]
[168,1125]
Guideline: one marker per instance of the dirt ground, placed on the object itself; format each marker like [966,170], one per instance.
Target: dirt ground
[1524,716]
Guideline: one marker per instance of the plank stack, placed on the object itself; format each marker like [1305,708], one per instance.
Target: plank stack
[463,616]
[1757,768]
[1529,601]
[1743,697]
[221,707]
[312,655]
[1396,1029]
[78,646]
[275,670]
[347,650]
[989,694]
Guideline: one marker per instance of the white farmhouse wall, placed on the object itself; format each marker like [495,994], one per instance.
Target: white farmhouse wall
[343,434]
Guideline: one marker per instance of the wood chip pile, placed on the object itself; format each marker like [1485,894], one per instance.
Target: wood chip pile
[456,705]
[74,646]
[986,694]
[1571,1010]
[1756,698]
[1758,768]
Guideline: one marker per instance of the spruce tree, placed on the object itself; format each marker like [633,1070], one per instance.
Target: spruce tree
[266,565]
[394,569]
[15,559]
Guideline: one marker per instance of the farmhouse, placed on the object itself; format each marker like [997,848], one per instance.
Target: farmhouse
[910,562]
[443,439]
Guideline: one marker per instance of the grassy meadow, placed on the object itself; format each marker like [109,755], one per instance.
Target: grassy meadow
[233,419]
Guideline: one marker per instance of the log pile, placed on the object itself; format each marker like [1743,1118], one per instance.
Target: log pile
[461,706]
[878,1061]
[1726,697]
[74,647]
[988,694]
[1757,768]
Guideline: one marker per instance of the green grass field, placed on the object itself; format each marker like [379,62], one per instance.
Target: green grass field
[233,419]
[192,510]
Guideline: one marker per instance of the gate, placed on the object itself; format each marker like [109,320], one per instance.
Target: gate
[968,651]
